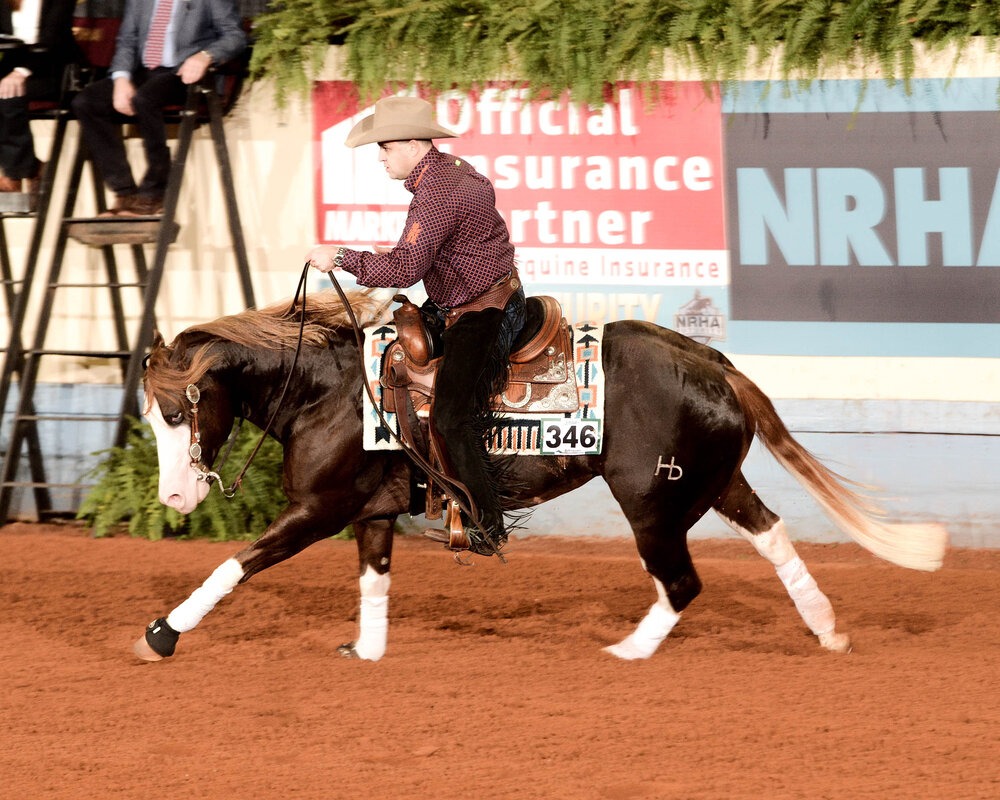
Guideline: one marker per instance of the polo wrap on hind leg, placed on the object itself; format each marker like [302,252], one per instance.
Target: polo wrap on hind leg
[813,606]
[203,599]
[373,616]
[649,633]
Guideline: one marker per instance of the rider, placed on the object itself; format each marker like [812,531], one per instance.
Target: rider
[456,242]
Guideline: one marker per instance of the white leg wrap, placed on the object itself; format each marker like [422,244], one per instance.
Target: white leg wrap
[649,633]
[373,619]
[812,605]
[773,544]
[203,599]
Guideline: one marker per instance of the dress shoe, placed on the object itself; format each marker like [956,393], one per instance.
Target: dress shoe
[135,205]
[10,184]
[120,201]
[141,205]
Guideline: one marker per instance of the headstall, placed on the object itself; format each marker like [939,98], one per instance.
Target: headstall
[193,394]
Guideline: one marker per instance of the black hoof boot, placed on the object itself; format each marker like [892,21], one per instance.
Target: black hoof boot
[161,637]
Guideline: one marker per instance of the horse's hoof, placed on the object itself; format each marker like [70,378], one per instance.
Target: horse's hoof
[347,650]
[626,651]
[836,642]
[142,649]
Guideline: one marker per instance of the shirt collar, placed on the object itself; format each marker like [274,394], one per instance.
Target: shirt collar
[417,174]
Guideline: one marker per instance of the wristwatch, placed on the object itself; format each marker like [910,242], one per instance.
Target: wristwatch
[338,257]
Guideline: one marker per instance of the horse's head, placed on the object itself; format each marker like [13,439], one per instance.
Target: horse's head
[190,412]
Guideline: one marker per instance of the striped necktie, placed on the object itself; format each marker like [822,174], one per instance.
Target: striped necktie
[153,56]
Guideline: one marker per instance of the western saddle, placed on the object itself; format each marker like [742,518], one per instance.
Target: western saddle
[541,379]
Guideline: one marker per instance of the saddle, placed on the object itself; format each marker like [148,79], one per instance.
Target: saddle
[541,379]
[540,374]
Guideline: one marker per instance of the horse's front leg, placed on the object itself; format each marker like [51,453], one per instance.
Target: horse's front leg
[297,527]
[374,537]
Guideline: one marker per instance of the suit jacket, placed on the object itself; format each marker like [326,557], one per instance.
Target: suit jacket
[210,25]
[55,47]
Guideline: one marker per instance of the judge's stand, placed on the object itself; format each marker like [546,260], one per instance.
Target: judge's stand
[26,430]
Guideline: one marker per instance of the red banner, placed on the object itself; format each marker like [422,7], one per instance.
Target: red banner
[628,193]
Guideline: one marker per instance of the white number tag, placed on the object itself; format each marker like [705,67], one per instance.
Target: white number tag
[571,437]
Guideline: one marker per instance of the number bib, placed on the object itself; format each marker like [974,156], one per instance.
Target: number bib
[571,437]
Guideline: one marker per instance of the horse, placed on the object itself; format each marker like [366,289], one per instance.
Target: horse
[296,371]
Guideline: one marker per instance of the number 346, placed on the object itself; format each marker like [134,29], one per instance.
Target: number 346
[571,437]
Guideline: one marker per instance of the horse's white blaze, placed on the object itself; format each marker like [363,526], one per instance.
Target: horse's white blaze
[651,630]
[373,619]
[179,484]
[813,606]
[203,599]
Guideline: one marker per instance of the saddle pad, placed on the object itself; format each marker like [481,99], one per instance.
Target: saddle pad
[577,433]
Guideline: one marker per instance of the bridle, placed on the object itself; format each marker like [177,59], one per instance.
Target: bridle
[193,395]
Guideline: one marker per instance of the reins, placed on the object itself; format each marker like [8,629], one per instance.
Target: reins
[454,489]
[194,395]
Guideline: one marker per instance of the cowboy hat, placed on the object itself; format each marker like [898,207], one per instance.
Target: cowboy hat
[398,119]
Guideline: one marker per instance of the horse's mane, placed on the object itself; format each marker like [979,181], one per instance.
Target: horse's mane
[275,327]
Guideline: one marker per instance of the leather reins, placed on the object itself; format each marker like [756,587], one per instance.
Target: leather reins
[194,395]
[453,488]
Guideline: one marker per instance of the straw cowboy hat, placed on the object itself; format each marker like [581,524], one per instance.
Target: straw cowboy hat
[398,119]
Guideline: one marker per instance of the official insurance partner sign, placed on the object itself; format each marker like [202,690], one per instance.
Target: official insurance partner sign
[629,193]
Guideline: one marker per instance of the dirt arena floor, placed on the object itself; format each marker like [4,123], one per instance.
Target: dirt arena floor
[494,684]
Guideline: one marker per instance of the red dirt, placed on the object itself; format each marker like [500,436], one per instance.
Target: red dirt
[494,684]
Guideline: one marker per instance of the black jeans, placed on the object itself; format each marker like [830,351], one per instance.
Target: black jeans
[17,147]
[473,369]
[155,90]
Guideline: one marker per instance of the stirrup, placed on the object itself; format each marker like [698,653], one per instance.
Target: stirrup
[455,536]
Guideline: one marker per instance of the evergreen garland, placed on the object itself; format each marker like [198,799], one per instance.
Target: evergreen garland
[580,46]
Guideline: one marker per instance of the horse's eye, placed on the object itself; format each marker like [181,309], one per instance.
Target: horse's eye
[175,419]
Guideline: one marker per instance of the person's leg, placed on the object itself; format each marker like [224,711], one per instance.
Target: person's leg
[160,89]
[101,125]
[473,369]
[17,148]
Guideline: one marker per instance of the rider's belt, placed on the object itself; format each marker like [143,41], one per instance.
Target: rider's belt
[494,297]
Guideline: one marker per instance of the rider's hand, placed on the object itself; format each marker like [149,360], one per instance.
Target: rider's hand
[321,256]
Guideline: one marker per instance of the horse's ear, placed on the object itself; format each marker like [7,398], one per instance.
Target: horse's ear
[157,339]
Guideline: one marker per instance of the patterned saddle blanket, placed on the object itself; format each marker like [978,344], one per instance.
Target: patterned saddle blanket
[553,403]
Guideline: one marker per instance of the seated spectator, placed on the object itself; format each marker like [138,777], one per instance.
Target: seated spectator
[162,47]
[33,71]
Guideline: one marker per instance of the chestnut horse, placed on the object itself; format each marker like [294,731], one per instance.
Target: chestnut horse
[668,401]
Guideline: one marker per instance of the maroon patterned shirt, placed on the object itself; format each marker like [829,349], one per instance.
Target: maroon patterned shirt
[454,238]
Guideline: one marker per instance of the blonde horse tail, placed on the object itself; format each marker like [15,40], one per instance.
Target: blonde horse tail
[915,546]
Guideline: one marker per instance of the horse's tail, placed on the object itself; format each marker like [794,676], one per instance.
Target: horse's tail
[914,546]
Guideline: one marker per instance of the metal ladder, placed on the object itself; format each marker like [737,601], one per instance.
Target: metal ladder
[203,102]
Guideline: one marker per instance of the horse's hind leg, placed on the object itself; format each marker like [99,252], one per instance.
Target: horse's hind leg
[743,511]
[668,563]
